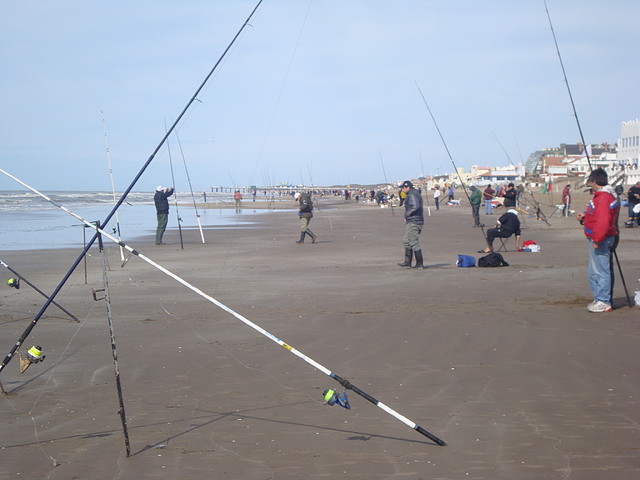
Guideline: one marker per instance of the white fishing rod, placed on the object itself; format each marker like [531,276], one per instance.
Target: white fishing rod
[328,399]
[113,187]
[193,198]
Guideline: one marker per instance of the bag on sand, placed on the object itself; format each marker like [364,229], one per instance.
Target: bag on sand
[466,261]
[494,259]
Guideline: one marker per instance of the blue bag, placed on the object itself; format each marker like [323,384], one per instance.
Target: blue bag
[466,261]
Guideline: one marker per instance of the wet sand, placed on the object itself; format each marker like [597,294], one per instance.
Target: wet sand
[506,365]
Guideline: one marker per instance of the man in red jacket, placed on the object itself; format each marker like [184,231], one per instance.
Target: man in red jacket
[599,222]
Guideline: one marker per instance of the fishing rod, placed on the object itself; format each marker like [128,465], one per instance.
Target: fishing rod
[393,213]
[586,150]
[21,277]
[537,205]
[113,188]
[26,333]
[175,192]
[566,81]
[114,353]
[426,196]
[345,383]
[193,198]
[464,187]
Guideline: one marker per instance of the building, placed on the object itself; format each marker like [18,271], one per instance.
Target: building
[629,143]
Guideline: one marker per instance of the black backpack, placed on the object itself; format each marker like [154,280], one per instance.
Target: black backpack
[494,259]
[306,205]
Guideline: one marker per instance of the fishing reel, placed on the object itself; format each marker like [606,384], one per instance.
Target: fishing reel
[331,398]
[34,355]
[14,283]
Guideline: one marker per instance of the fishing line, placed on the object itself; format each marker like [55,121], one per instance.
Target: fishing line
[586,149]
[175,191]
[280,91]
[539,213]
[105,222]
[345,383]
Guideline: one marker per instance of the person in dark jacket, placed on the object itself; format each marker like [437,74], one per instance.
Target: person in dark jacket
[510,196]
[305,212]
[508,224]
[475,199]
[162,210]
[414,220]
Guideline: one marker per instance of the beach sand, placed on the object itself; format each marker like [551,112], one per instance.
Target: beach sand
[505,364]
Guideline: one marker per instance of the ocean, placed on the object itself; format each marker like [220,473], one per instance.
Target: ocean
[29,222]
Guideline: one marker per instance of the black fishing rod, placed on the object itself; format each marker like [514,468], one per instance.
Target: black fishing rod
[464,187]
[114,352]
[26,333]
[21,277]
[566,81]
[345,383]
[175,192]
[586,150]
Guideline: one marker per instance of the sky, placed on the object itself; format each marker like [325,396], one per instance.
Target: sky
[318,92]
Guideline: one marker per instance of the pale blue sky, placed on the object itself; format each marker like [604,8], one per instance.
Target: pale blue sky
[312,91]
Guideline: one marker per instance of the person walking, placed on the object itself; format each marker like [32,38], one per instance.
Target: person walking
[566,200]
[162,210]
[305,212]
[436,196]
[451,192]
[475,199]
[599,221]
[487,195]
[414,220]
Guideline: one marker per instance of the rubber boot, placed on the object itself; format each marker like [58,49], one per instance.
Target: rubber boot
[419,260]
[408,256]
[313,237]
[302,234]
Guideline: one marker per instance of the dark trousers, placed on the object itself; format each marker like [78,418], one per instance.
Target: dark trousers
[475,211]
[494,233]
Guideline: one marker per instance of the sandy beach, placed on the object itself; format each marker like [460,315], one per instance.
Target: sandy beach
[505,364]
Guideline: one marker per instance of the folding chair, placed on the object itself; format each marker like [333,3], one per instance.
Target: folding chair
[503,244]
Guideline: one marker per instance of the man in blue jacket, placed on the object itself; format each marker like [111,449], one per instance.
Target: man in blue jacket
[414,220]
[162,210]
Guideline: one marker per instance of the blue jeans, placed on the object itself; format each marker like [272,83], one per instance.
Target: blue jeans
[487,207]
[601,270]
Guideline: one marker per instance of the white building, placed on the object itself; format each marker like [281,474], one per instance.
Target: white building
[629,142]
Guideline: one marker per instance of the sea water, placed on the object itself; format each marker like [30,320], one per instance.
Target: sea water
[29,222]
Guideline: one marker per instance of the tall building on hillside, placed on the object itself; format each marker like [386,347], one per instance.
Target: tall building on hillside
[629,143]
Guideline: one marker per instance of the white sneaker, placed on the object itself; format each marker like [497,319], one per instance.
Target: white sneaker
[599,307]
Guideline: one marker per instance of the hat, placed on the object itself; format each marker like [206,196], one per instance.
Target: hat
[511,185]
[159,188]
[406,183]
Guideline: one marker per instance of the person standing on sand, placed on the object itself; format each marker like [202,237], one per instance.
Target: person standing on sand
[237,196]
[488,197]
[599,222]
[414,220]
[566,200]
[162,210]
[305,212]
[510,197]
[475,199]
